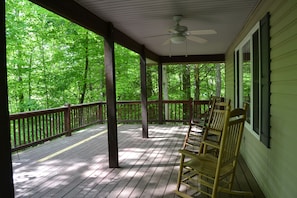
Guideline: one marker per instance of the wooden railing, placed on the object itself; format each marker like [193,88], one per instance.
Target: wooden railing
[35,127]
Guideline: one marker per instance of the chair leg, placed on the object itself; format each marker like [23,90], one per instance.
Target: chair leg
[179,177]
[187,136]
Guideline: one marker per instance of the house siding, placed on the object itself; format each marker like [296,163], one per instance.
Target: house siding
[274,168]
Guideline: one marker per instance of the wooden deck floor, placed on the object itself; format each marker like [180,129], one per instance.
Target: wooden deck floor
[77,166]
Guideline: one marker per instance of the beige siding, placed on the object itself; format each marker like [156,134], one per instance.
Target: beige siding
[229,75]
[275,168]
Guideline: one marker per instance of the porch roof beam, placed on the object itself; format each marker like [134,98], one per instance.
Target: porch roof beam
[193,58]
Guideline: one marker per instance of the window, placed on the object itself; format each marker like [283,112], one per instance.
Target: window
[252,79]
[246,77]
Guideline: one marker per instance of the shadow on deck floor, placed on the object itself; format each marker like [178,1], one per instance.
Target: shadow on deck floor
[77,166]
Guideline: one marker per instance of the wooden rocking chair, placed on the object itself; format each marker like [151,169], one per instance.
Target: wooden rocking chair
[207,173]
[197,127]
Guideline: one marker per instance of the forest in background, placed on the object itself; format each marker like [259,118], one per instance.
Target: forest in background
[52,62]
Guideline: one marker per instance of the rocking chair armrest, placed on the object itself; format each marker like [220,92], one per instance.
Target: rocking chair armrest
[187,153]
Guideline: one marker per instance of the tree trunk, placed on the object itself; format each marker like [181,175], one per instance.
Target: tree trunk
[186,82]
[45,76]
[21,95]
[197,82]
[218,79]
[20,87]
[29,82]
[186,90]
[84,87]
[149,83]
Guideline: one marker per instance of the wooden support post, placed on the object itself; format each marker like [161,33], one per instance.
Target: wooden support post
[160,84]
[109,62]
[144,113]
[6,184]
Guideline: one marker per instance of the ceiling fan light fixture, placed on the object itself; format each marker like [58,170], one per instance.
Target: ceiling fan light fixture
[177,39]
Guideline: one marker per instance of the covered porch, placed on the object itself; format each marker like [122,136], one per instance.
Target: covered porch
[69,171]
[77,166]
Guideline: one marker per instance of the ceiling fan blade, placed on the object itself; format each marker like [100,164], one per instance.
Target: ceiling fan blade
[197,39]
[159,35]
[166,42]
[202,32]
[172,31]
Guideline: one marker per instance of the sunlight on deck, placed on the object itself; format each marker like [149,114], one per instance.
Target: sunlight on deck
[77,166]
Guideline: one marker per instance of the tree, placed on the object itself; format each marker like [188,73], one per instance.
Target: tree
[47,59]
[218,79]
[51,61]
[196,82]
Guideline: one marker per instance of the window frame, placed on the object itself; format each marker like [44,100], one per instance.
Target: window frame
[239,78]
[262,110]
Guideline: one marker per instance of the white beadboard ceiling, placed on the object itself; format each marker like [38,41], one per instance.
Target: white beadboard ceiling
[144,20]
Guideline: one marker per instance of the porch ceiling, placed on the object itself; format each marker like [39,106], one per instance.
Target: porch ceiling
[143,20]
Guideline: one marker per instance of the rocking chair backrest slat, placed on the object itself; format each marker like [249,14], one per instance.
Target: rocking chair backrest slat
[197,127]
[233,135]
[215,125]
[231,140]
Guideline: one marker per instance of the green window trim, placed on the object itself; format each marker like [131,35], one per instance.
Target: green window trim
[265,79]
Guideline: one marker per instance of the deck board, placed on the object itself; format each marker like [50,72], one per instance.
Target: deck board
[148,167]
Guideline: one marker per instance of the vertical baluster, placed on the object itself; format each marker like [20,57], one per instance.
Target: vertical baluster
[175,111]
[31,123]
[34,128]
[58,114]
[51,124]
[40,126]
[37,128]
[19,131]
[61,122]
[74,118]
[24,131]
[130,110]
[46,125]
[14,134]
[55,132]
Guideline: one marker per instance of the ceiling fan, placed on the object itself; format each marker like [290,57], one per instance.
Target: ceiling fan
[179,33]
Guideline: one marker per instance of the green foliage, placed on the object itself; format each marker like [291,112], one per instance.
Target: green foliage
[178,74]
[127,74]
[52,61]
[46,57]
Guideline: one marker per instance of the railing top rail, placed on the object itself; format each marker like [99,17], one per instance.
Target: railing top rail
[36,113]
[87,104]
[201,101]
[152,101]
[60,109]
[34,127]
